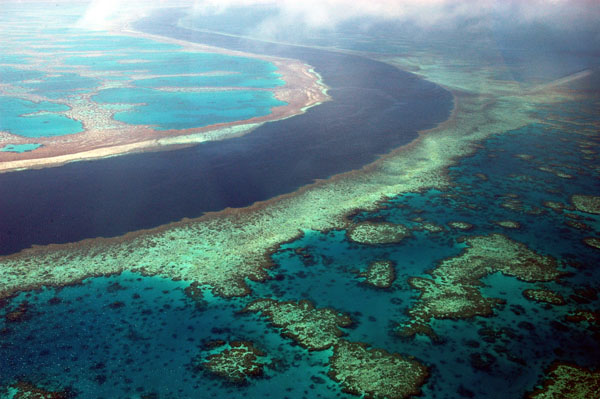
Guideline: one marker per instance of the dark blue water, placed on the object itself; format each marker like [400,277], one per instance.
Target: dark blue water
[129,335]
[375,109]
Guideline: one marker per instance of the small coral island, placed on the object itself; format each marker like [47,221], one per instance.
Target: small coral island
[375,373]
[27,390]
[314,329]
[236,361]
[568,381]
[377,233]
[380,274]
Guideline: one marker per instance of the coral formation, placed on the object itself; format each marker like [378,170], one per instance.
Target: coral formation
[372,373]
[593,242]
[565,380]
[27,390]
[21,313]
[236,361]
[380,274]
[580,315]
[557,206]
[377,233]
[508,224]
[544,295]
[375,373]
[453,292]
[460,225]
[314,329]
[586,203]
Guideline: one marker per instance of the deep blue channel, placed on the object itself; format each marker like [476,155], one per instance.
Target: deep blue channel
[375,108]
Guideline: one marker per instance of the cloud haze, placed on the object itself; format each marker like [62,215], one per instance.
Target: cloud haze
[306,15]
[326,14]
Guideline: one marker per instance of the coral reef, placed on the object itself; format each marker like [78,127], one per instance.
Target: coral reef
[21,313]
[380,274]
[222,250]
[544,295]
[377,233]
[27,390]
[460,225]
[371,373]
[508,224]
[453,292]
[580,315]
[314,329]
[586,203]
[557,206]
[236,361]
[593,242]
[565,380]
[375,373]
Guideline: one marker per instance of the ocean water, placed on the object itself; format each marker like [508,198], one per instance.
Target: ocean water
[134,336]
[130,335]
[125,192]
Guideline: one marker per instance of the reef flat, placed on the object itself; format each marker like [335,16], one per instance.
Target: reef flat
[544,296]
[453,291]
[568,381]
[361,371]
[380,274]
[235,361]
[373,373]
[377,233]
[90,103]
[314,329]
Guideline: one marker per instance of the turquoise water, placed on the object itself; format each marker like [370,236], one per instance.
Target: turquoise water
[164,110]
[62,86]
[83,62]
[45,124]
[19,148]
[124,329]
[14,75]
[211,81]
[11,59]
[169,110]
[108,336]
[175,62]
[81,40]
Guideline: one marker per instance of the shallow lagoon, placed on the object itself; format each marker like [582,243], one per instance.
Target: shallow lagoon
[62,86]
[173,110]
[19,148]
[86,62]
[29,119]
